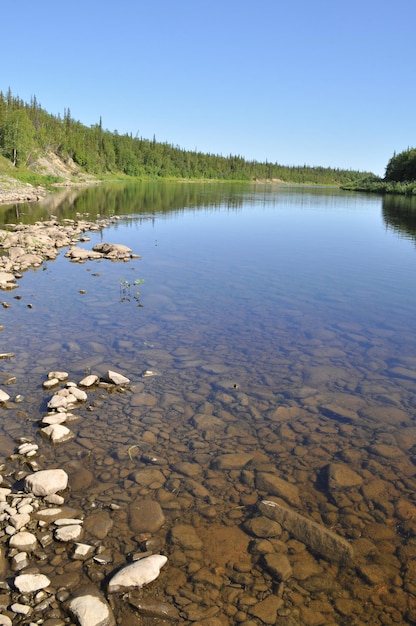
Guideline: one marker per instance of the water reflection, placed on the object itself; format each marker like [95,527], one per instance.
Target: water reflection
[399,214]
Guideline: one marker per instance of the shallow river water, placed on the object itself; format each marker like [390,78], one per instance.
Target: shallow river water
[278,323]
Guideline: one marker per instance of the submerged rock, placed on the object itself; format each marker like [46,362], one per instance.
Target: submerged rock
[145,516]
[322,541]
[137,574]
[116,378]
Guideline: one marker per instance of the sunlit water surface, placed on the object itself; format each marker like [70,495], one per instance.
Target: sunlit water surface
[280,325]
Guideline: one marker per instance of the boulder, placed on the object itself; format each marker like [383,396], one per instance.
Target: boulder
[28,583]
[275,486]
[46,482]
[145,516]
[90,608]
[315,536]
[137,574]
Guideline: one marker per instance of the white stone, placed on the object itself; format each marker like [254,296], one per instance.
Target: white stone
[72,532]
[79,394]
[46,482]
[19,520]
[55,499]
[57,433]
[52,382]
[67,521]
[91,609]
[89,381]
[54,418]
[28,583]
[26,508]
[138,573]
[4,492]
[59,375]
[57,402]
[23,541]
[82,551]
[22,609]
[4,396]
[116,378]
[20,561]
[5,621]
[25,448]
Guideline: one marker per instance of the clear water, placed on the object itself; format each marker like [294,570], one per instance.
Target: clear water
[287,313]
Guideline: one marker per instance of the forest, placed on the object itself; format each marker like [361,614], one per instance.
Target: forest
[27,132]
[399,178]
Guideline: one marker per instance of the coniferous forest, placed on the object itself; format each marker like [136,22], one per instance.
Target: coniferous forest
[28,132]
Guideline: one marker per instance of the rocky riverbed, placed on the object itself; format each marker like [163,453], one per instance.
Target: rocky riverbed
[188,494]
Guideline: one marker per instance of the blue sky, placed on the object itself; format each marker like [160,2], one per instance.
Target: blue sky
[324,82]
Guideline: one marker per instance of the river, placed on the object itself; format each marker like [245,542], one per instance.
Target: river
[268,332]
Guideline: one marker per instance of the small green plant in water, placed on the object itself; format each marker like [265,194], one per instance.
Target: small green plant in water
[125,290]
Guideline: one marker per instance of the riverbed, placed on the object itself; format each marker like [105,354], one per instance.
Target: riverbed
[268,336]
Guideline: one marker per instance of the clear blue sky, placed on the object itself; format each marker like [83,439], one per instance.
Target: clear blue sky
[321,82]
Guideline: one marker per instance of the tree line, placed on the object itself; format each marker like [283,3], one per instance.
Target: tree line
[399,177]
[27,132]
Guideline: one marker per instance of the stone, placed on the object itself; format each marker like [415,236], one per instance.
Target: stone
[5,620]
[60,376]
[26,448]
[46,482]
[54,418]
[52,514]
[28,583]
[114,251]
[186,537]
[80,477]
[231,461]
[154,608]
[19,520]
[263,527]
[89,608]
[149,477]
[4,397]
[82,551]
[116,378]
[99,524]
[22,609]
[3,562]
[23,541]
[79,394]
[275,486]
[137,574]
[340,476]
[52,382]
[266,610]
[89,381]
[278,565]
[145,516]
[57,402]
[72,532]
[7,280]
[57,433]
[315,536]
[20,561]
